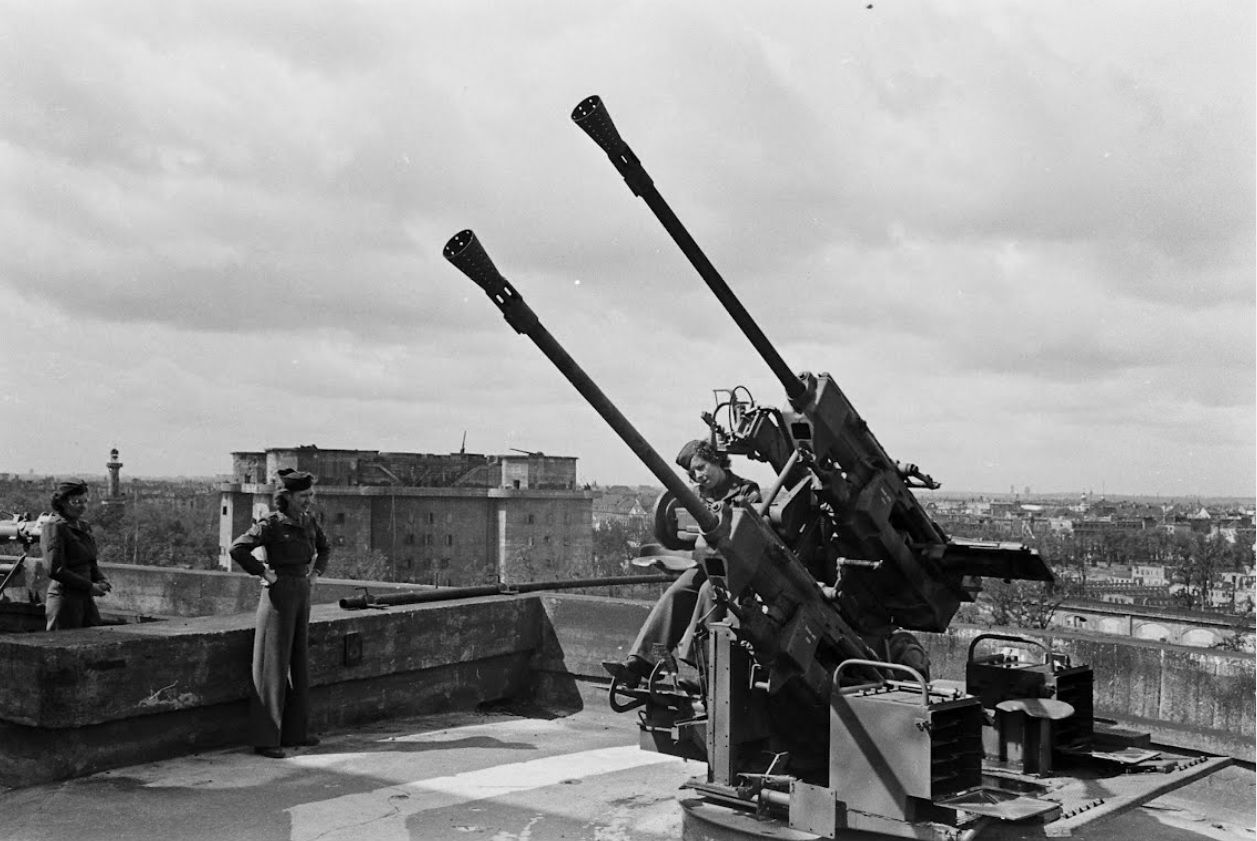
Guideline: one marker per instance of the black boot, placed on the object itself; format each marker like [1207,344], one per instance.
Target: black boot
[631,672]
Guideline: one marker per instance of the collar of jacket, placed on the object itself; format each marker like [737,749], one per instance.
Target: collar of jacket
[733,486]
[79,524]
[287,519]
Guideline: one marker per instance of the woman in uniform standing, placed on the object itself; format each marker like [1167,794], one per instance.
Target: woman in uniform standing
[70,553]
[296,555]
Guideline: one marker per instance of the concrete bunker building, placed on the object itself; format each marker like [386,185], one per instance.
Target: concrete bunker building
[457,519]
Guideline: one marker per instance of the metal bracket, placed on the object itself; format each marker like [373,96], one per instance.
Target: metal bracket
[370,601]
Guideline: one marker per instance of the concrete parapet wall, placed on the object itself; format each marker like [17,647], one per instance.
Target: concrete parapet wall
[583,631]
[75,702]
[1193,698]
[1187,697]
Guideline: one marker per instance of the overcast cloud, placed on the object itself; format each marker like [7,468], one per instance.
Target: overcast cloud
[1019,234]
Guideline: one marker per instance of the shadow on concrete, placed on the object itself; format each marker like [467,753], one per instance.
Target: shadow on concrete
[364,792]
[554,686]
[1150,824]
[404,746]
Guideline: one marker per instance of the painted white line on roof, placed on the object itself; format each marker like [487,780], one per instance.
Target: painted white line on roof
[381,814]
[240,768]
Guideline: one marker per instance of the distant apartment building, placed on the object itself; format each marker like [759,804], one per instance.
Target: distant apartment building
[1061,525]
[1150,575]
[1001,508]
[456,519]
[1179,527]
[1113,575]
[619,505]
[1234,590]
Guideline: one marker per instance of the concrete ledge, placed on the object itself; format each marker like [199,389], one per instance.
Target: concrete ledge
[1195,698]
[582,631]
[1200,699]
[31,755]
[74,678]
[76,702]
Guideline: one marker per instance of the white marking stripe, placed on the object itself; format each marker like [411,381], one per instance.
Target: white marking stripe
[387,809]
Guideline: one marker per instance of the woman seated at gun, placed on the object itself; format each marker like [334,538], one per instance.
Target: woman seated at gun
[683,604]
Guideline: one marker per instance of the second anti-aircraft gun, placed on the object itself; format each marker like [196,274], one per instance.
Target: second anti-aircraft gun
[801,710]
[923,575]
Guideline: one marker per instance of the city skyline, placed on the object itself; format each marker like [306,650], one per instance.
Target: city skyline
[923,494]
[1020,236]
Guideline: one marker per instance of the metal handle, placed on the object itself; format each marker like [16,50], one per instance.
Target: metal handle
[916,676]
[1009,638]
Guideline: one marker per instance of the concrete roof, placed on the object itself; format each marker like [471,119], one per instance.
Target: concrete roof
[490,776]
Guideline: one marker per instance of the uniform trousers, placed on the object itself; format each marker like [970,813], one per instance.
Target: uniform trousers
[279,708]
[681,610]
[69,608]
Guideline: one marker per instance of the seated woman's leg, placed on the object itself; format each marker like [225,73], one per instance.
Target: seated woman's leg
[667,621]
[706,609]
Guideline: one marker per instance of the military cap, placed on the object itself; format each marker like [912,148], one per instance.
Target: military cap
[71,487]
[296,480]
[698,447]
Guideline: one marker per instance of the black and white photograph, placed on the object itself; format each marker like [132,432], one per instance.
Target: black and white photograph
[710,421]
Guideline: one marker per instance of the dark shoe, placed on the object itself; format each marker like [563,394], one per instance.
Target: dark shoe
[307,742]
[629,673]
[273,753]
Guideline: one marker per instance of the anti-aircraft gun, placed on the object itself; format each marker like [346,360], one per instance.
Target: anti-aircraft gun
[801,712]
[763,722]
[23,530]
[923,576]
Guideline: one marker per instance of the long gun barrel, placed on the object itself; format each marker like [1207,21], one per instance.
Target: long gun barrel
[469,257]
[442,594]
[841,432]
[877,512]
[592,116]
[755,557]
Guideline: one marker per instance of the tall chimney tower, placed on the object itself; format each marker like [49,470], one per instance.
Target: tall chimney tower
[113,494]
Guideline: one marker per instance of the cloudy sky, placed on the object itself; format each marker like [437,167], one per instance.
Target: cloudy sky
[1019,234]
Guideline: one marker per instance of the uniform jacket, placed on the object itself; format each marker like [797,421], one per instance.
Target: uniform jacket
[290,542]
[70,552]
[737,491]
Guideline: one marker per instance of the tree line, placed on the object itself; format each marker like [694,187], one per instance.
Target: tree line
[1192,559]
[164,532]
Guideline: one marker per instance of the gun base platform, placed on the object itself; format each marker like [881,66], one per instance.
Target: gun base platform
[1084,800]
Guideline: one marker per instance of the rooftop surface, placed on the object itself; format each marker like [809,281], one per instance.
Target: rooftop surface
[495,776]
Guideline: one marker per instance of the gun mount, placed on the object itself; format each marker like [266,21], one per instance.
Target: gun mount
[813,706]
